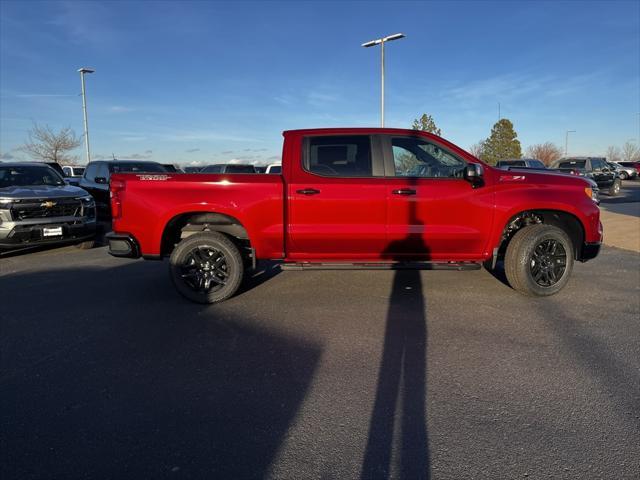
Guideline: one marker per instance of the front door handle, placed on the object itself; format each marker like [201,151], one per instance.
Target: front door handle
[404,191]
[308,191]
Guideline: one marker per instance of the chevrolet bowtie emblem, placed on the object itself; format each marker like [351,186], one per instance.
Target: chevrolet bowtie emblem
[48,204]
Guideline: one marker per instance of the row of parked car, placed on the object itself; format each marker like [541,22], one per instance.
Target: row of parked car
[608,176]
[44,203]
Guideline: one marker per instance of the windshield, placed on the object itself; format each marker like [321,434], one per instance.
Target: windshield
[537,164]
[28,175]
[137,167]
[78,171]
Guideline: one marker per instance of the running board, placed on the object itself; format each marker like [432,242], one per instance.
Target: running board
[382,266]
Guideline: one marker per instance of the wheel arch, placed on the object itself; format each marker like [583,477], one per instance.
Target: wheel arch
[185,224]
[564,220]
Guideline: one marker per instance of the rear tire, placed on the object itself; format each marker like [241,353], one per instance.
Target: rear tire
[623,175]
[539,260]
[206,267]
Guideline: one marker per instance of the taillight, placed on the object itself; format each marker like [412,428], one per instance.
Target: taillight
[116,188]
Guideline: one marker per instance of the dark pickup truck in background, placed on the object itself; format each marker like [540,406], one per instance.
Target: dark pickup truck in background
[98,173]
[358,198]
[595,168]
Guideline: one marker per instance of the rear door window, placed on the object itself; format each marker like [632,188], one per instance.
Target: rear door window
[339,156]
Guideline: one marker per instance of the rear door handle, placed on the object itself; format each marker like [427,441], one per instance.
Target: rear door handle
[404,191]
[308,191]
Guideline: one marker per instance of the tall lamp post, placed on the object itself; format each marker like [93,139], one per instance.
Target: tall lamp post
[82,71]
[381,42]
[566,141]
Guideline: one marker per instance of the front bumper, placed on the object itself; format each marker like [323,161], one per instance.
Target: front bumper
[123,245]
[32,234]
[589,251]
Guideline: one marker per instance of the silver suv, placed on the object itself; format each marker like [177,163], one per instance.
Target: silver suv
[37,207]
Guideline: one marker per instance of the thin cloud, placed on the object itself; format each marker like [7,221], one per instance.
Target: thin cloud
[204,135]
[6,156]
[320,99]
[38,95]
[192,150]
[134,138]
[139,156]
[119,109]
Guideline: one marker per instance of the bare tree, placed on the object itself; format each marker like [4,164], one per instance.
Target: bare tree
[613,154]
[46,145]
[630,152]
[546,152]
[477,149]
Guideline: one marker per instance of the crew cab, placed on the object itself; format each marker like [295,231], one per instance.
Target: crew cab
[358,198]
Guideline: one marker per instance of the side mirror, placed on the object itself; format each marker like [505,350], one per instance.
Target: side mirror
[473,174]
[101,180]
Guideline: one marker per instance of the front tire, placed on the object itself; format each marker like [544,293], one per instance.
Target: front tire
[86,245]
[539,260]
[206,267]
[615,188]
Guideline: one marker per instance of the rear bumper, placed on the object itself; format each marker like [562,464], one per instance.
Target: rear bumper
[123,245]
[589,251]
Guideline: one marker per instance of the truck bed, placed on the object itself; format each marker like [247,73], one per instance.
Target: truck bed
[153,201]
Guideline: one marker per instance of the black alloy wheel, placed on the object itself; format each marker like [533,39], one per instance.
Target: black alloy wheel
[539,260]
[548,262]
[206,267]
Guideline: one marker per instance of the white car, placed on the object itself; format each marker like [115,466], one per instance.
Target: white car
[73,171]
[275,168]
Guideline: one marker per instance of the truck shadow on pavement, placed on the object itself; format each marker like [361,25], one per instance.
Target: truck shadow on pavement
[402,378]
[126,382]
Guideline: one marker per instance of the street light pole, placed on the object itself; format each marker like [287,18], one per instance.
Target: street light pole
[84,110]
[381,42]
[566,141]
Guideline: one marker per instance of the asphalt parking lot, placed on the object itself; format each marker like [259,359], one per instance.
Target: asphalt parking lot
[108,373]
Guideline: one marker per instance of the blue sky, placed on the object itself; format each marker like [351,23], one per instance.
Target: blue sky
[214,81]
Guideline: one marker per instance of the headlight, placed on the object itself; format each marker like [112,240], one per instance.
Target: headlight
[592,193]
[87,200]
[5,203]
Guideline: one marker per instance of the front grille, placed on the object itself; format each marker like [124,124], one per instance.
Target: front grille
[67,207]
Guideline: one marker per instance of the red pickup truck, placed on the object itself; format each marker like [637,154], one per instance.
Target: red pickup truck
[358,198]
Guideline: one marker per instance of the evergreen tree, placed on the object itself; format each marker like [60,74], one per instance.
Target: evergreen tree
[426,123]
[502,143]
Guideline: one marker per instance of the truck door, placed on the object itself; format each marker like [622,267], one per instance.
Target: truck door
[433,211]
[336,199]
